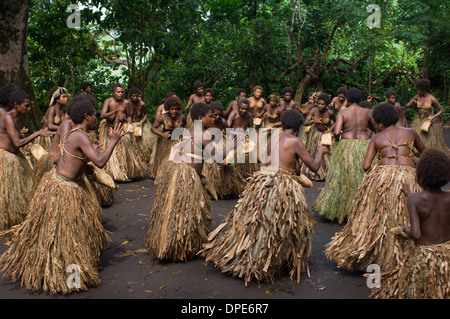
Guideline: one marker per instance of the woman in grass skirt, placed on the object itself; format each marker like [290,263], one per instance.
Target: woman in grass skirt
[62,233]
[380,205]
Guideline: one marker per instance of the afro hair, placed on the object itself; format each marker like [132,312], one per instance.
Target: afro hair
[433,169]
[386,114]
[423,85]
[292,120]
[354,95]
[199,109]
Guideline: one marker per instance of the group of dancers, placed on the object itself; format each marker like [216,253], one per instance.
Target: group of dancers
[382,179]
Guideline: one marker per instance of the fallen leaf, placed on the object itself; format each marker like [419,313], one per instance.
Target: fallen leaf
[162,287]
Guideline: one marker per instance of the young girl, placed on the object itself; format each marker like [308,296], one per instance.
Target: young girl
[170,120]
[424,273]
[320,119]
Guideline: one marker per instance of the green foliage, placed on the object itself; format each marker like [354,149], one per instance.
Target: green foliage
[163,46]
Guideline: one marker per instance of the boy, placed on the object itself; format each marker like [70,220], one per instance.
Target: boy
[126,162]
[137,116]
[242,117]
[240,93]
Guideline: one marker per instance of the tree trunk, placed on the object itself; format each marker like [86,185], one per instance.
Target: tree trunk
[14,69]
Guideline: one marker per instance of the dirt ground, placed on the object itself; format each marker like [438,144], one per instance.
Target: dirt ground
[129,272]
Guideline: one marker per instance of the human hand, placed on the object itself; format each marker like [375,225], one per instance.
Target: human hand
[45,132]
[116,133]
[405,188]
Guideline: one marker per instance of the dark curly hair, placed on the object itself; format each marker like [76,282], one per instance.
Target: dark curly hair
[173,101]
[423,85]
[433,169]
[389,93]
[366,104]
[199,109]
[385,113]
[85,85]
[18,97]
[287,89]
[134,90]
[5,93]
[292,120]
[115,86]
[197,84]
[354,95]
[342,90]
[208,90]
[216,105]
[324,97]
[80,108]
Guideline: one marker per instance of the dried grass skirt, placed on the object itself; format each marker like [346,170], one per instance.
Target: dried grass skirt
[180,218]
[16,182]
[434,138]
[161,152]
[344,175]
[424,274]
[61,229]
[312,145]
[379,207]
[269,228]
[126,162]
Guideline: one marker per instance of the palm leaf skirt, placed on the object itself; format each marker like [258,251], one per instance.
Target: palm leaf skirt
[269,228]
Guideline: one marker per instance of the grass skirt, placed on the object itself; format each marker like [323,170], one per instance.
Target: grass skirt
[344,175]
[269,228]
[16,182]
[161,153]
[312,144]
[434,138]
[226,180]
[379,207]
[43,165]
[102,193]
[180,218]
[61,229]
[126,162]
[424,274]
[145,142]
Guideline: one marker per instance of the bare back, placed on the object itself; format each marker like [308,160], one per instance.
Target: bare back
[353,122]
[432,210]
